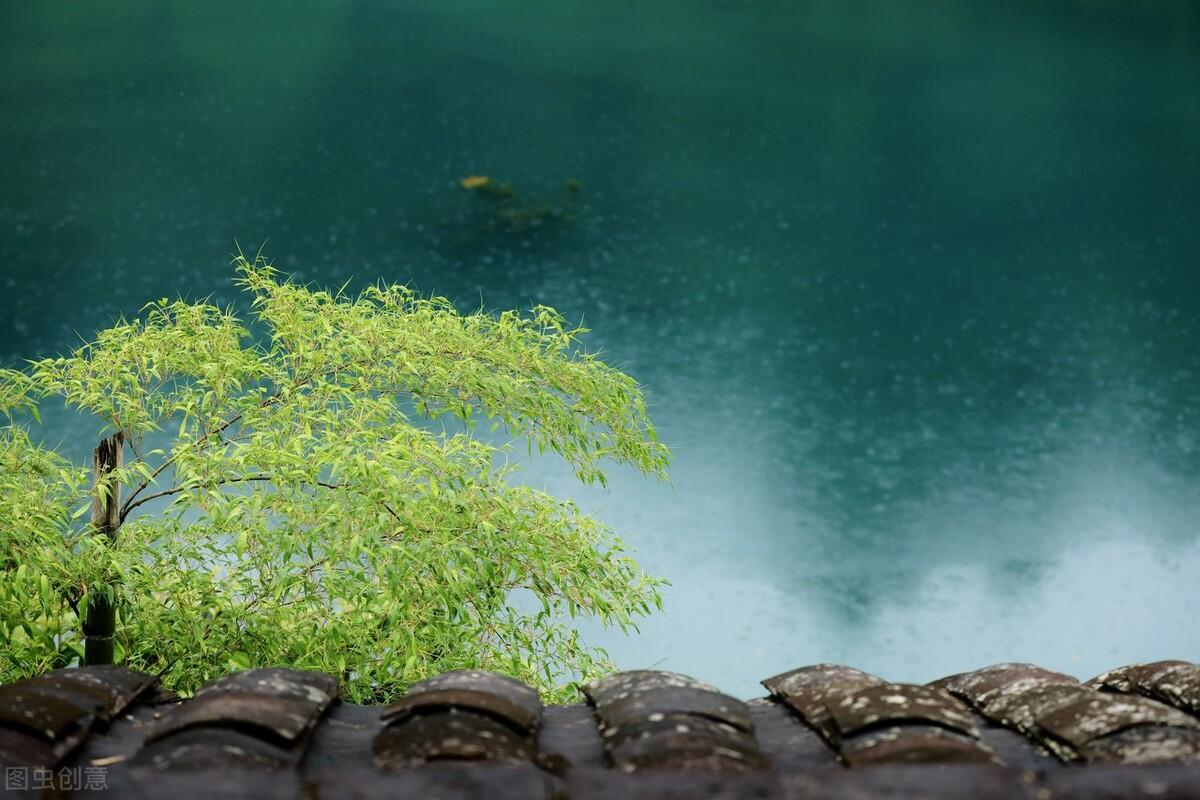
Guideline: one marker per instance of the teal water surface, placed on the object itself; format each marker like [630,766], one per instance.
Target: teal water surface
[914,288]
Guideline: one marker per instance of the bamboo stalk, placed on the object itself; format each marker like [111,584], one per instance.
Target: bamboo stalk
[100,624]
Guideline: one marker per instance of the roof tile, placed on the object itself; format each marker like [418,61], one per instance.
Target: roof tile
[871,722]
[1013,694]
[259,717]
[463,715]
[1176,683]
[664,720]
[486,692]
[1089,724]
[810,690]
[451,734]
[646,734]
[315,689]
[913,744]
[44,719]
[900,702]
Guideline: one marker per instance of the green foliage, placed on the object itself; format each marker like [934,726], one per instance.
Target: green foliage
[299,507]
[42,578]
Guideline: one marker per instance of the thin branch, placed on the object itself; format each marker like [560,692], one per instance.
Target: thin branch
[130,504]
[177,489]
[242,479]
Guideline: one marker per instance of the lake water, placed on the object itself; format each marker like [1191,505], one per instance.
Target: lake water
[914,288]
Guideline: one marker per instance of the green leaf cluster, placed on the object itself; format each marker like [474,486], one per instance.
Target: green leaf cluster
[315,496]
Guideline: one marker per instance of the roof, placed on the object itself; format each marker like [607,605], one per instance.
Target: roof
[824,731]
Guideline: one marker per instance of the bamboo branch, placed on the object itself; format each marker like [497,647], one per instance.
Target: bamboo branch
[130,504]
[243,479]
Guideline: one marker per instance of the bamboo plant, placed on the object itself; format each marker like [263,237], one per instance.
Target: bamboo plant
[308,489]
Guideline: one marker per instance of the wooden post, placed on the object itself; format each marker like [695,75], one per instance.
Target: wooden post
[100,625]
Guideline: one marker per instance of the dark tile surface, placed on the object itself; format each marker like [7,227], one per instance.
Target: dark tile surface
[828,731]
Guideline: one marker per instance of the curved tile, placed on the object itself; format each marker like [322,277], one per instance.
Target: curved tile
[682,741]
[47,715]
[260,717]
[316,689]
[486,692]
[628,684]
[677,700]
[465,715]
[900,702]
[107,690]
[664,720]
[809,691]
[913,744]
[1115,680]
[1176,683]
[453,734]
[820,678]
[869,722]
[1123,728]
[217,749]
[283,720]
[1013,694]
[1077,722]
[46,718]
